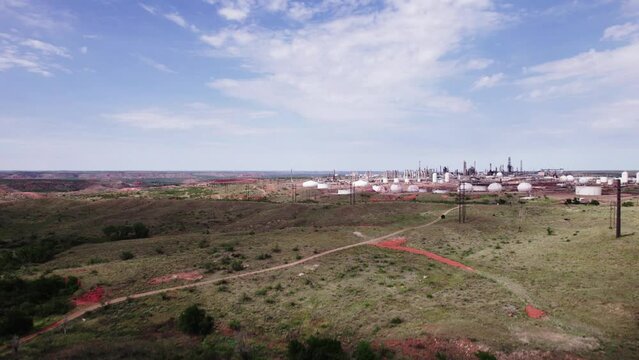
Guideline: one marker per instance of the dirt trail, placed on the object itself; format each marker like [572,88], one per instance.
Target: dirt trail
[82,311]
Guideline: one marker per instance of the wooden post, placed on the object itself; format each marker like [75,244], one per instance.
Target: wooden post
[618,183]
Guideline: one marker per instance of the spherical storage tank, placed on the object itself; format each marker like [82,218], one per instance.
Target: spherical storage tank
[562,178]
[395,181]
[603,179]
[323,186]
[413,188]
[584,180]
[310,184]
[570,178]
[494,187]
[500,174]
[524,187]
[360,183]
[466,187]
[396,188]
[588,190]
[379,188]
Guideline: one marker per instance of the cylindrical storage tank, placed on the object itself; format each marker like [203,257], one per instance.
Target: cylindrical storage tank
[584,180]
[466,187]
[624,177]
[384,180]
[310,184]
[344,192]
[360,183]
[479,188]
[562,178]
[500,174]
[570,178]
[378,188]
[396,188]
[603,179]
[610,181]
[434,177]
[407,181]
[588,190]
[395,181]
[637,178]
[494,187]
[440,191]
[413,188]
[524,187]
[323,186]
[447,177]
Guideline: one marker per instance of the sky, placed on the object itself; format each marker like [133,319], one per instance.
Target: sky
[318,85]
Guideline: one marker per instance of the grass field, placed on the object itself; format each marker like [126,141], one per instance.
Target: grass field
[561,259]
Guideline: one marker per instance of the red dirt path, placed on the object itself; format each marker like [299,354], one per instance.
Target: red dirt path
[534,313]
[190,276]
[395,244]
[90,297]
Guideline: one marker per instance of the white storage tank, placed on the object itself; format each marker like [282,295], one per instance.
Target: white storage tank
[310,184]
[440,191]
[479,188]
[413,188]
[603,179]
[494,187]
[434,177]
[524,187]
[407,181]
[379,188]
[323,186]
[360,183]
[610,181]
[396,181]
[499,174]
[447,177]
[624,177]
[344,192]
[396,188]
[384,180]
[562,178]
[466,187]
[570,178]
[637,178]
[584,180]
[588,190]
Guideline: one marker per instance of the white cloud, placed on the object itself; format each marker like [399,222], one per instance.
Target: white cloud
[149,9]
[46,48]
[488,81]
[179,20]
[84,50]
[231,13]
[222,120]
[376,66]
[156,65]
[584,73]
[625,31]
[618,116]
[630,7]
[478,64]
[34,56]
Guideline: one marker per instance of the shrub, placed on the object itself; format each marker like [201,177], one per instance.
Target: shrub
[276,249]
[236,265]
[124,232]
[316,348]
[484,355]
[195,321]
[396,321]
[550,231]
[627,204]
[126,255]
[15,323]
[235,325]
[263,256]
[594,202]
[364,351]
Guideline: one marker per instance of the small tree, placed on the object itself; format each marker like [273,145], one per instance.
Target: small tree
[195,321]
[316,348]
[364,351]
[126,255]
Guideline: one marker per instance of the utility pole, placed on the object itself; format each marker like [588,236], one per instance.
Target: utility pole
[462,203]
[618,183]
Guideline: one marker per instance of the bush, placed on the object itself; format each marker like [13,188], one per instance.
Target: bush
[126,255]
[594,203]
[263,256]
[627,204]
[364,351]
[316,348]
[195,321]
[124,232]
[15,323]
[550,231]
[236,265]
[484,355]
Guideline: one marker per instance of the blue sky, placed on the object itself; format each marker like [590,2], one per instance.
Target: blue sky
[313,85]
